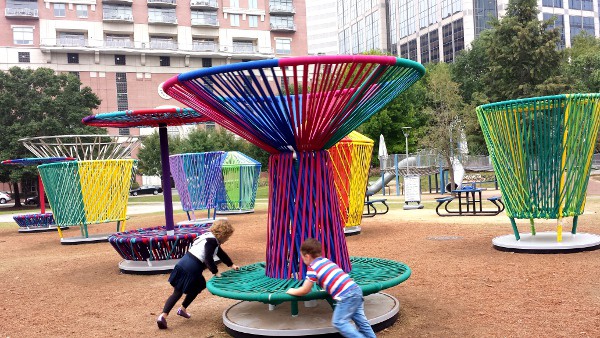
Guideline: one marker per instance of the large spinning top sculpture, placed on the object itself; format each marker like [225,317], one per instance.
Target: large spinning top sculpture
[156,249]
[44,221]
[295,108]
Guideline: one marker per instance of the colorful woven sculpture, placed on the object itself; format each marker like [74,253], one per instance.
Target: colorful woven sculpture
[237,193]
[197,178]
[542,149]
[351,161]
[44,220]
[295,108]
[154,244]
[89,192]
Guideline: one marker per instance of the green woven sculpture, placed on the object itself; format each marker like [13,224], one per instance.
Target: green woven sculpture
[541,149]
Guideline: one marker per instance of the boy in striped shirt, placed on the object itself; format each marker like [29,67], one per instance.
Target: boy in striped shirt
[346,293]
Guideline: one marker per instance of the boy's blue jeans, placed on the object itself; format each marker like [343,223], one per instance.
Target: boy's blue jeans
[352,307]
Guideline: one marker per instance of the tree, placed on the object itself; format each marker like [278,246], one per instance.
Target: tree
[39,103]
[446,113]
[583,69]
[522,55]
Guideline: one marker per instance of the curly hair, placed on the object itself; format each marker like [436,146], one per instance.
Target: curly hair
[222,230]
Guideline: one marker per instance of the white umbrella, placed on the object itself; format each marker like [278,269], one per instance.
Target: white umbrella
[382,154]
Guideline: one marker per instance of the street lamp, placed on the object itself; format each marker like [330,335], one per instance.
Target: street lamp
[406,130]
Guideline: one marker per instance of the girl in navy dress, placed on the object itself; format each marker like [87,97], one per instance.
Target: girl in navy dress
[187,278]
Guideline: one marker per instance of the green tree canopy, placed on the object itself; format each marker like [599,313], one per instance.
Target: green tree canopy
[39,103]
[583,69]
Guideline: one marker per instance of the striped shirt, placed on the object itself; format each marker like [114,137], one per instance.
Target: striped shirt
[330,277]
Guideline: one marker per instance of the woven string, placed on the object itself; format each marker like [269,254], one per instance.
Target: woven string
[34,220]
[542,152]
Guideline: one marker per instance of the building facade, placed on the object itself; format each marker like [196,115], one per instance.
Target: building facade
[437,30]
[123,49]
[322,27]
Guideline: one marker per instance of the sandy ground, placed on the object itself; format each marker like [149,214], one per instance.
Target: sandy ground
[460,286]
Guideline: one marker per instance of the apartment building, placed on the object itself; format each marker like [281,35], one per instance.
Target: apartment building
[321,27]
[437,30]
[123,49]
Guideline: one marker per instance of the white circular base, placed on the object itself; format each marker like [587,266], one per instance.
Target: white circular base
[147,267]
[201,221]
[251,319]
[350,231]
[234,212]
[95,238]
[545,242]
[40,229]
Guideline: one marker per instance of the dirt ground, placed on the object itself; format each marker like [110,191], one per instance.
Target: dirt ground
[460,285]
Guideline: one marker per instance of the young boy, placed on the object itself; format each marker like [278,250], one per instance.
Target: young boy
[346,293]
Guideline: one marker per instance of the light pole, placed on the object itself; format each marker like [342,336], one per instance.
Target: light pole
[406,130]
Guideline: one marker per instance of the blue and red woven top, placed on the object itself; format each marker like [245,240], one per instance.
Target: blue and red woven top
[37,161]
[298,103]
[146,118]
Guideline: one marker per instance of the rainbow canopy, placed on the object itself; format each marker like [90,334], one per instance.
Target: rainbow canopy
[146,118]
[299,103]
[37,161]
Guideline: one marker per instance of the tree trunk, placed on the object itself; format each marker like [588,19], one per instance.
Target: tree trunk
[17,194]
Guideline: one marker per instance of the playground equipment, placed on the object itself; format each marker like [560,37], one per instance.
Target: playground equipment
[177,239]
[351,157]
[82,147]
[197,178]
[44,221]
[88,192]
[541,150]
[237,193]
[295,108]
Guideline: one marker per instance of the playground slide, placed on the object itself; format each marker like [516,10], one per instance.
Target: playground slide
[376,186]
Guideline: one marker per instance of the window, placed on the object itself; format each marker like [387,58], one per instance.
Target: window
[60,10]
[72,58]
[581,24]
[165,61]
[82,11]
[23,35]
[552,3]
[117,12]
[253,4]
[283,46]
[162,15]
[123,131]
[234,3]
[121,77]
[584,5]
[235,19]
[24,57]
[253,20]
[284,22]
[120,60]
[204,18]
[206,62]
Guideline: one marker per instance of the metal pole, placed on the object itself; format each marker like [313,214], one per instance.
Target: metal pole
[166,178]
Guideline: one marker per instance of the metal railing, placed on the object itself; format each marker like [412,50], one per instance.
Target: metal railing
[118,43]
[170,19]
[26,12]
[116,16]
[283,27]
[163,44]
[162,2]
[204,46]
[282,9]
[71,41]
[204,3]
[243,48]
[205,22]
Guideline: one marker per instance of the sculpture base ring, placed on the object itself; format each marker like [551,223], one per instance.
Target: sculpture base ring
[545,242]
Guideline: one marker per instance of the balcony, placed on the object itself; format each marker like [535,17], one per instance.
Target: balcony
[21,13]
[119,2]
[163,19]
[163,44]
[162,3]
[118,43]
[204,4]
[205,22]
[283,27]
[282,9]
[204,46]
[117,17]
[71,41]
[243,48]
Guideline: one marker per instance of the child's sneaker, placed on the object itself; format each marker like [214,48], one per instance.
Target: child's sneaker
[161,322]
[183,313]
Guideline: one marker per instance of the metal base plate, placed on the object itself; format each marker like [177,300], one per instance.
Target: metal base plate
[95,238]
[40,229]
[234,212]
[200,221]
[254,319]
[412,206]
[350,231]
[147,267]
[545,242]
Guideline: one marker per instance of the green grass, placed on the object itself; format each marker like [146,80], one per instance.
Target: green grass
[151,198]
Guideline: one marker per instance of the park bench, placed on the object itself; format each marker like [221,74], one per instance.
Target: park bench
[369,203]
[443,201]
